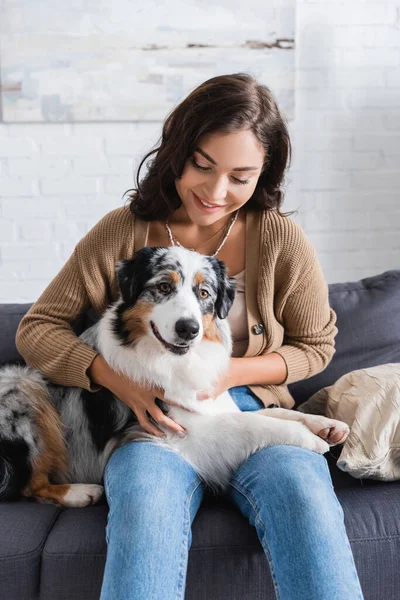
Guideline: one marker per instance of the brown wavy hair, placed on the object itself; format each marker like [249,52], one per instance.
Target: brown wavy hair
[224,104]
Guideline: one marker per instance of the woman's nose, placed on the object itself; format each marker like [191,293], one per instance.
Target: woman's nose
[217,190]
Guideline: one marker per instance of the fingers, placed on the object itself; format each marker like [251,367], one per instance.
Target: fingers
[156,392]
[143,404]
[172,403]
[162,419]
[148,426]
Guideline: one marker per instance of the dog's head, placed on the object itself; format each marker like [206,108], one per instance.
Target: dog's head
[176,296]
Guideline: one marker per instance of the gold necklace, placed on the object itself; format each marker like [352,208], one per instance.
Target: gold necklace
[175,242]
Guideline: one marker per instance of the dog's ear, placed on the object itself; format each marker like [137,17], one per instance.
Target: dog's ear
[226,288]
[132,274]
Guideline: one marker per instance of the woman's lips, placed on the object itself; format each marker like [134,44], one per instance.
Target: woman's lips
[207,209]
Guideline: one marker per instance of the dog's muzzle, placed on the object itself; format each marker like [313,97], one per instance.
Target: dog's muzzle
[175,348]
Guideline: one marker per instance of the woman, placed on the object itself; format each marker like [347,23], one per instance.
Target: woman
[214,185]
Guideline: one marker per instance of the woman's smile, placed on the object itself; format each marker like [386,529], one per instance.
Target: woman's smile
[206,207]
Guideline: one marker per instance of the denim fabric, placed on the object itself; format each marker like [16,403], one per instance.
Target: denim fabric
[245,398]
[285,492]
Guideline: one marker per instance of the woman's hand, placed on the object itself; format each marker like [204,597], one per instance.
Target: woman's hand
[141,400]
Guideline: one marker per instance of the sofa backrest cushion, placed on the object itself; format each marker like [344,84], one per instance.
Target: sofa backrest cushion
[10,316]
[368,322]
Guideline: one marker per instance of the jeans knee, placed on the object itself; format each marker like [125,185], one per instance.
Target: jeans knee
[287,470]
[144,476]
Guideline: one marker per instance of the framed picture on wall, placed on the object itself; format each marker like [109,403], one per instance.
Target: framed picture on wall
[124,61]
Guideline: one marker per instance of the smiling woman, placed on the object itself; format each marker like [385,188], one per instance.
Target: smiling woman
[214,184]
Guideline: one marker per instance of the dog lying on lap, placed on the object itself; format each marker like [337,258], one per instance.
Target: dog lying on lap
[167,329]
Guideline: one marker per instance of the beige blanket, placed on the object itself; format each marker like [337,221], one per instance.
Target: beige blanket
[368,400]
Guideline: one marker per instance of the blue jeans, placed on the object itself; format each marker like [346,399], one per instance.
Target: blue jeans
[285,492]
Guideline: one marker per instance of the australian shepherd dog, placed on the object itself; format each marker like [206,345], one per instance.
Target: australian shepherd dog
[167,328]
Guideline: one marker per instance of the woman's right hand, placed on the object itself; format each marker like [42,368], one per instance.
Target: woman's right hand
[141,400]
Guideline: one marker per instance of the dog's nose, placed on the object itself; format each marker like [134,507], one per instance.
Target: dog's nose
[187,329]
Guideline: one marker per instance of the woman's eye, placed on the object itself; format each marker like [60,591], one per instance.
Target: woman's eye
[200,168]
[242,181]
[164,287]
[204,294]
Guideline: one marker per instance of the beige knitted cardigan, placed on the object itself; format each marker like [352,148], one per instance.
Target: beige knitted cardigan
[286,300]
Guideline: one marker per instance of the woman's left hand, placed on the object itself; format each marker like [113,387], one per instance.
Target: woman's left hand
[227,381]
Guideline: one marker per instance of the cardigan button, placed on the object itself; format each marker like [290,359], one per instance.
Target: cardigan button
[257,329]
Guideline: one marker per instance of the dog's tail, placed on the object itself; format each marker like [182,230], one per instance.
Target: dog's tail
[15,468]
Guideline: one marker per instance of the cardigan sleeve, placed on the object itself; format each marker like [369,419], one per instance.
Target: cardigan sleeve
[309,325]
[45,337]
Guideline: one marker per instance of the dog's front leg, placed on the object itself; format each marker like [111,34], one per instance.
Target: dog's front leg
[333,431]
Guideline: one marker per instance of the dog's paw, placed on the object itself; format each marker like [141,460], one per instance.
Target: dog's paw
[82,494]
[297,434]
[332,431]
[319,445]
[313,442]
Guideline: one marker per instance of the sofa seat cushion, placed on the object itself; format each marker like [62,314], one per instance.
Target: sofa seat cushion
[75,550]
[372,513]
[372,520]
[24,526]
[224,541]
[74,555]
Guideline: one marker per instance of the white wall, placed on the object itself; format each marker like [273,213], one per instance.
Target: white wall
[57,181]
[346,171]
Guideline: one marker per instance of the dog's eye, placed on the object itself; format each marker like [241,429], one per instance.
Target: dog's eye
[204,294]
[164,287]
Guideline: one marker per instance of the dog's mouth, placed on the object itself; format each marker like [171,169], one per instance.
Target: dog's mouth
[175,348]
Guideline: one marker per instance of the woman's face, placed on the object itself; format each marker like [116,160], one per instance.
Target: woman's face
[223,172]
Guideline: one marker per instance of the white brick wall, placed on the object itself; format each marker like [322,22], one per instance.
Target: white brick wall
[57,181]
[345,179]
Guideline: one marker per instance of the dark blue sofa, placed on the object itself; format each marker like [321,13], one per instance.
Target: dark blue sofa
[47,553]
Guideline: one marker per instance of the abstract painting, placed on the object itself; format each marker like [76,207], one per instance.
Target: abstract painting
[85,61]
